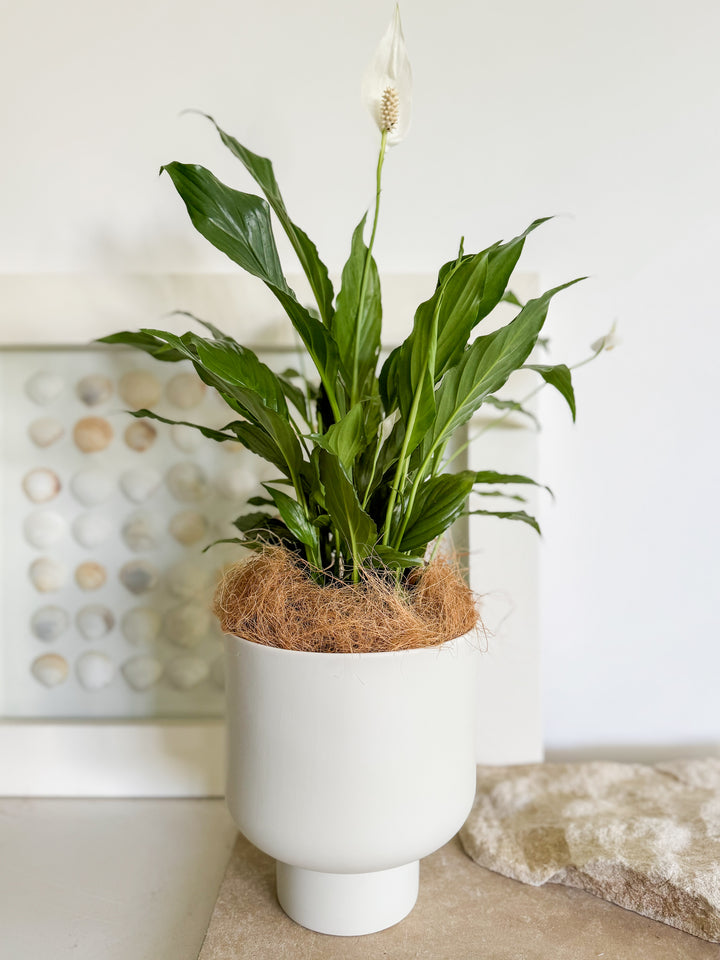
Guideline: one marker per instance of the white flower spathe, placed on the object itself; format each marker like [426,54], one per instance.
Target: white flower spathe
[387,84]
[608,342]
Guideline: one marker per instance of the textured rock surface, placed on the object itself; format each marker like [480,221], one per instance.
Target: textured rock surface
[646,838]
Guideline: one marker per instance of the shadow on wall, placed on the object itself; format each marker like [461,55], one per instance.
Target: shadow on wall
[633,753]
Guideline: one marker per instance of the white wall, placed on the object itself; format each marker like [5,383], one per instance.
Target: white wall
[606,113]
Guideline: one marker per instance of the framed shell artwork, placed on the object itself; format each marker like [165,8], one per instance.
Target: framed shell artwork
[111,663]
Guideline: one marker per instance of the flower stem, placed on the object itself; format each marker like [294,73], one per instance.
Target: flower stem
[354,392]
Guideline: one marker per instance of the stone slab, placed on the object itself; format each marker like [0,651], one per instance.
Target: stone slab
[644,837]
[464,912]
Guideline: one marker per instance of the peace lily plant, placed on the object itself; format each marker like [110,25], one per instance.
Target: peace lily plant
[365,480]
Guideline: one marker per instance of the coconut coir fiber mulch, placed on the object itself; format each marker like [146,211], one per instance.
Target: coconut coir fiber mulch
[270,598]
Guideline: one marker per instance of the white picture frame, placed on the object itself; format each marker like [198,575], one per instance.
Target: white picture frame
[174,758]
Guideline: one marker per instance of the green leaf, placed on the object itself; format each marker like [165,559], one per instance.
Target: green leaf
[502,260]
[295,395]
[557,376]
[260,502]
[497,493]
[215,331]
[345,439]
[394,559]
[511,405]
[486,365]
[261,170]
[439,502]
[492,477]
[508,515]
[295,518]
[147,343]
[357,331]
[256,520]
[461,297]
[267,411]
[356,528]
[238,224]
[509,297]
[220,435]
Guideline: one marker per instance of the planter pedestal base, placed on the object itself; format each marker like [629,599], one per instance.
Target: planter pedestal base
[347,904]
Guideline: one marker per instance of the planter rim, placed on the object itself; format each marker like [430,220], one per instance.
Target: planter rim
[273,651]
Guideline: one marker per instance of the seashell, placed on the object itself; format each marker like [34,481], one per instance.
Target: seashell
[90,575]
[41,485]
[44,387]
[188,527]
[187,482]
[231,446]
[140,532]
[141,626]
[92,529]
[49,623]
[185,390]
[94,670]
[186,672]
[94,389]
[45,431]
[185,438]
[92,434]
[138,576]
[140,484]
[92,486]
[140,435]
[187,580]
[142,672]
[217,672]
[139,388]
[44,528]
[47,575]
[95,621]
[187,625]
[50,669]
[235,483]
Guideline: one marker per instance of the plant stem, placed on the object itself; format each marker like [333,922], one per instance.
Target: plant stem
[366,269]
[401,469]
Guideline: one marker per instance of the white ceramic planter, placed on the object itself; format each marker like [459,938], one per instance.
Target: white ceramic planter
[349,768]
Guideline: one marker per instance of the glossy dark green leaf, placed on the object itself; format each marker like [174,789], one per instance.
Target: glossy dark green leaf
[261,501]
[492,477]
[345,439]
[508,515]
[509,297]
[497,493]
[356,528]
[147,343]
[256,520]
[439,502]
[219,435]
[295,518]
[558,376]
[238,224]
[261,170]
[486,366]
[267,411]
[394,559]
[215,331]
[356,327]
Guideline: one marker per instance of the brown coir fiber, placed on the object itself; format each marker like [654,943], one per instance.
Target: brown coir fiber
[270,598]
